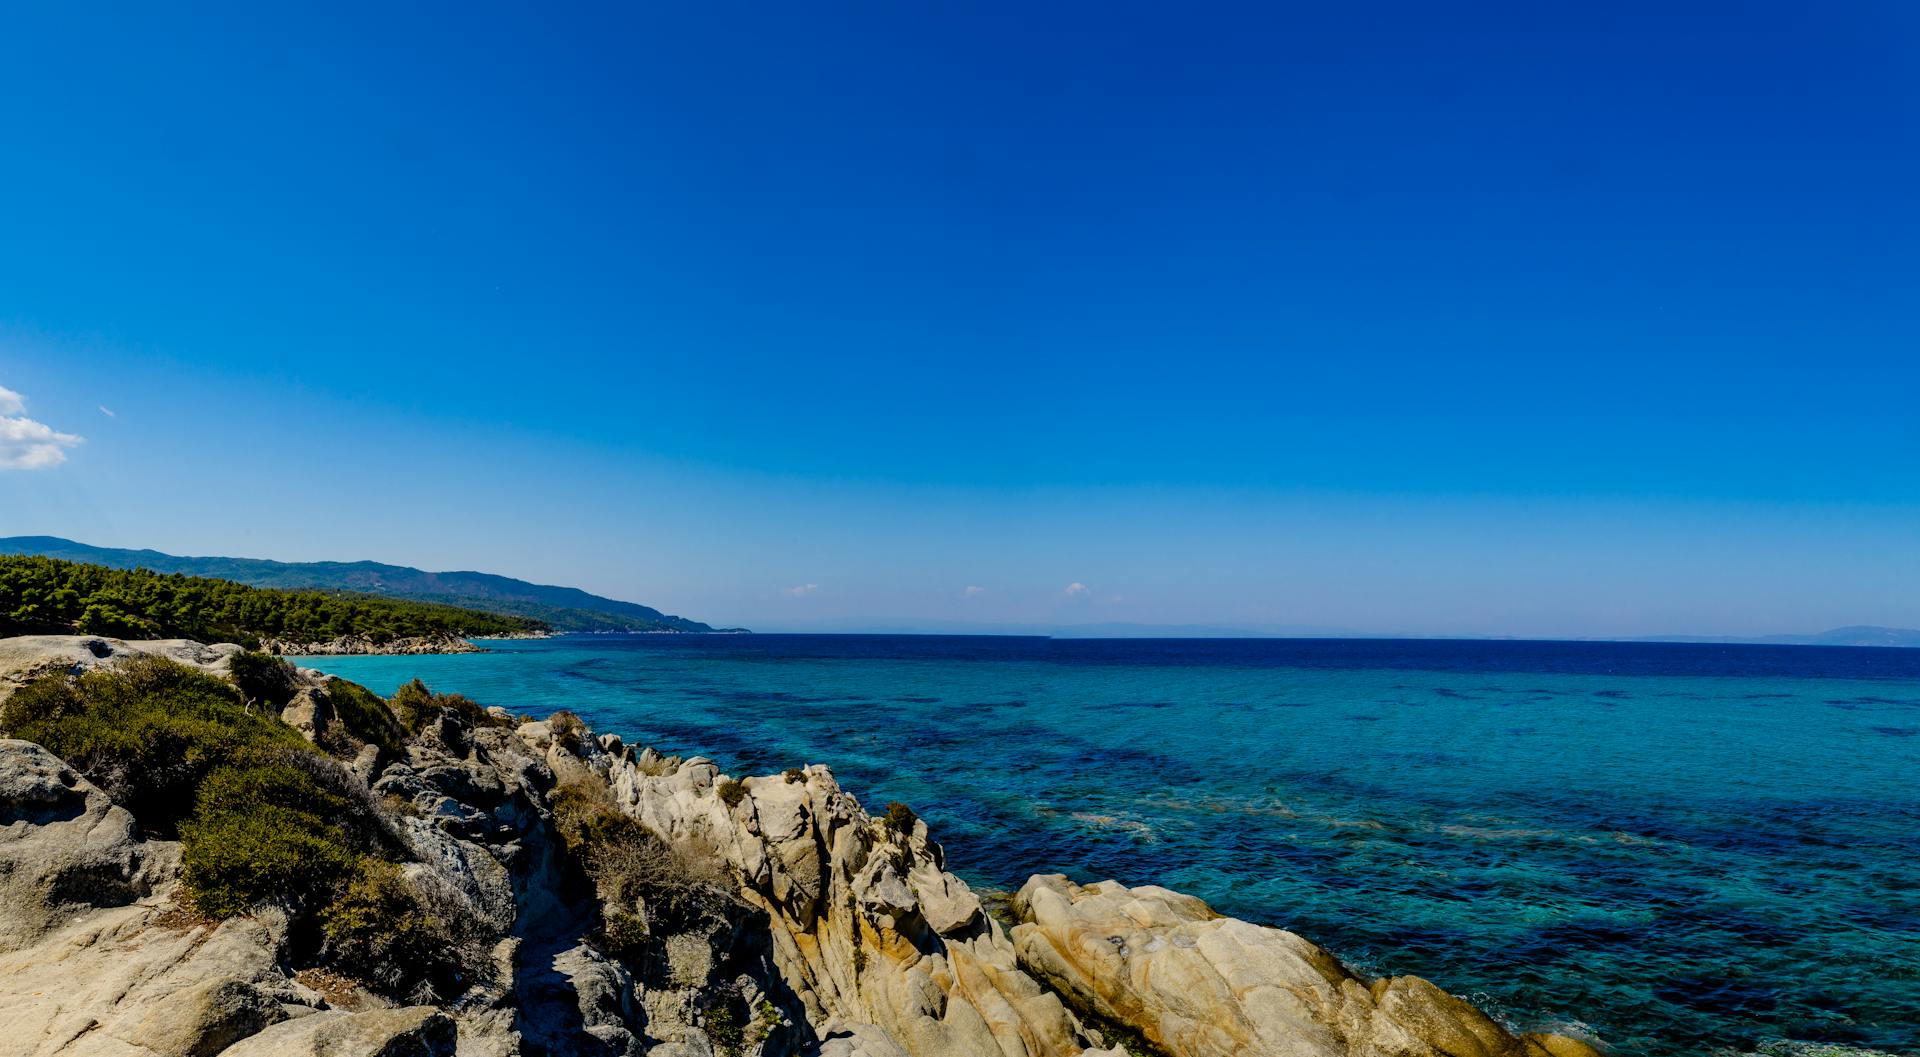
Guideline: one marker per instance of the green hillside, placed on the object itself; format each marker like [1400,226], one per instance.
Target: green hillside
[47,595]
[560,608]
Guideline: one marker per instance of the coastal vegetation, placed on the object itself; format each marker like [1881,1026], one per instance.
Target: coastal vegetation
[414,706]
[47,595]
[263,817]
[644,885]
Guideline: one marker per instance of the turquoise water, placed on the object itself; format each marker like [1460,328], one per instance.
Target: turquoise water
[1680,849]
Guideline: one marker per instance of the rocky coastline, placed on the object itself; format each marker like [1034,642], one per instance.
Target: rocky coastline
[356,645]
[768,916]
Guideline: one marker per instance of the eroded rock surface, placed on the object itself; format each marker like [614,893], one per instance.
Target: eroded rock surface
[865,926]
[90,962]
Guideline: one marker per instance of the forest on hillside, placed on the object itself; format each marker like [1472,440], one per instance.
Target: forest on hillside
[46,595]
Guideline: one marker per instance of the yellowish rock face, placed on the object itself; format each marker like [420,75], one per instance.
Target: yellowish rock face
[1196,984]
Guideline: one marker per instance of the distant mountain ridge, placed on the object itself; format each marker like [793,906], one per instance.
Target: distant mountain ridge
[561,608]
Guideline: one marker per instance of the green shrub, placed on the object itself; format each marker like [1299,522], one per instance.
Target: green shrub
[270,832]
[623,934]
[366,717]
[795,775]
[380,932]
[900,818]
[766,1017]
[147,732]
[413,706]
[416,706]
[569,729]
[724,1030]
[240,790]
[263,679]
[732,792]
[232,861]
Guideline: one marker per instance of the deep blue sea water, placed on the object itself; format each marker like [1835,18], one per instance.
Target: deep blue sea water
[1680,848]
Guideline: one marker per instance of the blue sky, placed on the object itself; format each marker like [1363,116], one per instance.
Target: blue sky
[1420,318]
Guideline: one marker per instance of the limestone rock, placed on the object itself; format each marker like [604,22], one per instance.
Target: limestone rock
[864,924]
[413,1031]
[126,982]
[1200,985]
[64,847]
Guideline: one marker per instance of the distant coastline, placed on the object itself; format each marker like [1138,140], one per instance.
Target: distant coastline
[361,645]
[1853,636]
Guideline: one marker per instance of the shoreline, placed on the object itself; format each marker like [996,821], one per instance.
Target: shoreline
[821,922]
[362,646]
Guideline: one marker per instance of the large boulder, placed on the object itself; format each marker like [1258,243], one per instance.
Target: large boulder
[64,847]
[1197,984]
[136,981]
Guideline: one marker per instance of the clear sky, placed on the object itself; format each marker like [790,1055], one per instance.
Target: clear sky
[1435,318]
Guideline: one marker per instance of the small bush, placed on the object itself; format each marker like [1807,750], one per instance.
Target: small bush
[900,818]
[732,792]
[628,864]
[570,730]
[379,931]
[366,717]
[413,706]
[234,861]
[623,934]
[724,1030]
[416,706]
[263,679]
[795,775]
[766,1017]
[285,831]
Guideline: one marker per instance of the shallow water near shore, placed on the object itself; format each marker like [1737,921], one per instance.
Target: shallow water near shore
[1681,849]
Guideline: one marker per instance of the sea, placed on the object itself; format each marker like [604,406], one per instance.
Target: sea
[1672,848]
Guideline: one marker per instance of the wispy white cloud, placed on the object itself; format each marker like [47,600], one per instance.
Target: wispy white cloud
[1078,591]
[803,590]
[107,411]
[26,444]
[973,592]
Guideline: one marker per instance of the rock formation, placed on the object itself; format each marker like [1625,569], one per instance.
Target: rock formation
[774,916]
[1196,984]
